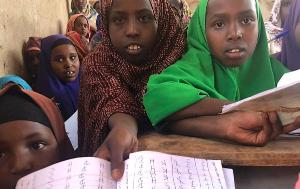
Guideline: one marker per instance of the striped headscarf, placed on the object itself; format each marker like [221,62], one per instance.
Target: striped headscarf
[110,84]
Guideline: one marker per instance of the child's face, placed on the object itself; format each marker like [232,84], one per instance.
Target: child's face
[80,4]
[132,28]
[25,147]
[284,10]
[97,7]
[65,62]
[81,26]
[232,30]
[33,61]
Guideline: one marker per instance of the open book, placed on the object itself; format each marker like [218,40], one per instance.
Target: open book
[285,99]
[143,170]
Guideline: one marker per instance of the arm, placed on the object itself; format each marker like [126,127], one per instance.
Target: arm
[205,107]
[202,119]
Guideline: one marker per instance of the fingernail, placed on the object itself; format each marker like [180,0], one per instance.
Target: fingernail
[116,175]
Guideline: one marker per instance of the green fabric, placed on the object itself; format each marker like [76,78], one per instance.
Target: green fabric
[198,75]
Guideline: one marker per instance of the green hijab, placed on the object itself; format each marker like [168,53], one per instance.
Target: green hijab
[198,75]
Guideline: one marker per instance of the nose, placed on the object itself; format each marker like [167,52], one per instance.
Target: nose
[132,30]
[21,165]
[68,63]
[235,32]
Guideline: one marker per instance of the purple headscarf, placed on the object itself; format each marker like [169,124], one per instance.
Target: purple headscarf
[48,84]
[290,53]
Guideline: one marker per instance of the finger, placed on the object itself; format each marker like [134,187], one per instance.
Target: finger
[117,163]
[293,126]
[275,124]
[103,153]
[266,132]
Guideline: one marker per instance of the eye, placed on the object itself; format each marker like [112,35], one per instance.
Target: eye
[219,24]
[247,20]
[73,57]
[118,20]
[145,18]
[38,145]
[59,59]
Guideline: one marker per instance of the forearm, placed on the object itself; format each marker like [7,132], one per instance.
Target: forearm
[123,120]
[204,126]
[205,107]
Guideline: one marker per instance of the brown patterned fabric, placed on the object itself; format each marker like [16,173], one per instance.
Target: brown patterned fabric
[109,84]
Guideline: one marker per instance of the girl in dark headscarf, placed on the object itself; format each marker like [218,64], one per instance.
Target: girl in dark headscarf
[32,134]
[58,76]
[31,57]
[114,76]
[290,54]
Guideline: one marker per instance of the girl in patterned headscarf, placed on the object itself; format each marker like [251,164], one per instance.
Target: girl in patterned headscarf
[274,25]
[140,38]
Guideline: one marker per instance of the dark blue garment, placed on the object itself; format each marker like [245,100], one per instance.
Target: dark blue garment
[48,84]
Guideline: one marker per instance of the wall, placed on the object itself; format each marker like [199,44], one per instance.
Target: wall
[20,19]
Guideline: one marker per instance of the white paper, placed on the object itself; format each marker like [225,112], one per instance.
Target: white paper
[289,78]
[229,178]
[143,170]
[71,126]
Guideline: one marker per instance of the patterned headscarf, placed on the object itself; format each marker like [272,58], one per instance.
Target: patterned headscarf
[290,54]
[48,84]
[110,84]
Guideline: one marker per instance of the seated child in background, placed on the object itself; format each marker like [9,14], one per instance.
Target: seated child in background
[40,139]
[14,79]
[78,30]
[58,77]
[227,48]
[96,39]
[31,58]
[140,38]
[290,54]
[274,25]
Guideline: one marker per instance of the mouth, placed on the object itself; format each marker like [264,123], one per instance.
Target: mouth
[70,74]
[133,49]
[235,53]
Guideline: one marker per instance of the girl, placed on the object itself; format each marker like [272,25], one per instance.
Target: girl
[31,58]
[58,76]
[291,44]
[274,25]
[140,38]
[182,12]
[78,31]
[41,139]
[227,47]
[84,7]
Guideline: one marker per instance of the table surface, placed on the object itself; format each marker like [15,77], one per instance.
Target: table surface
[284,151]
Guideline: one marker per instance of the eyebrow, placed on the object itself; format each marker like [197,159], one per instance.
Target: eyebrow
[222,15]
[138,11]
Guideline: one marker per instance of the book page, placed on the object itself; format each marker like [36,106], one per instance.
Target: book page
[71,126]
[154,170]
[78,173]
[284,100]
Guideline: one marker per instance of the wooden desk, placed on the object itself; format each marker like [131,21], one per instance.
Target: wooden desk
[275,165]
[284,151]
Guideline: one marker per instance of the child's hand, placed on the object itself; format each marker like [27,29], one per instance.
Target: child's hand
[253,128]
[119,143]
[85,42]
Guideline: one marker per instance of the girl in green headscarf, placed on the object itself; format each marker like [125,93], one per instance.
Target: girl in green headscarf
[227,60]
